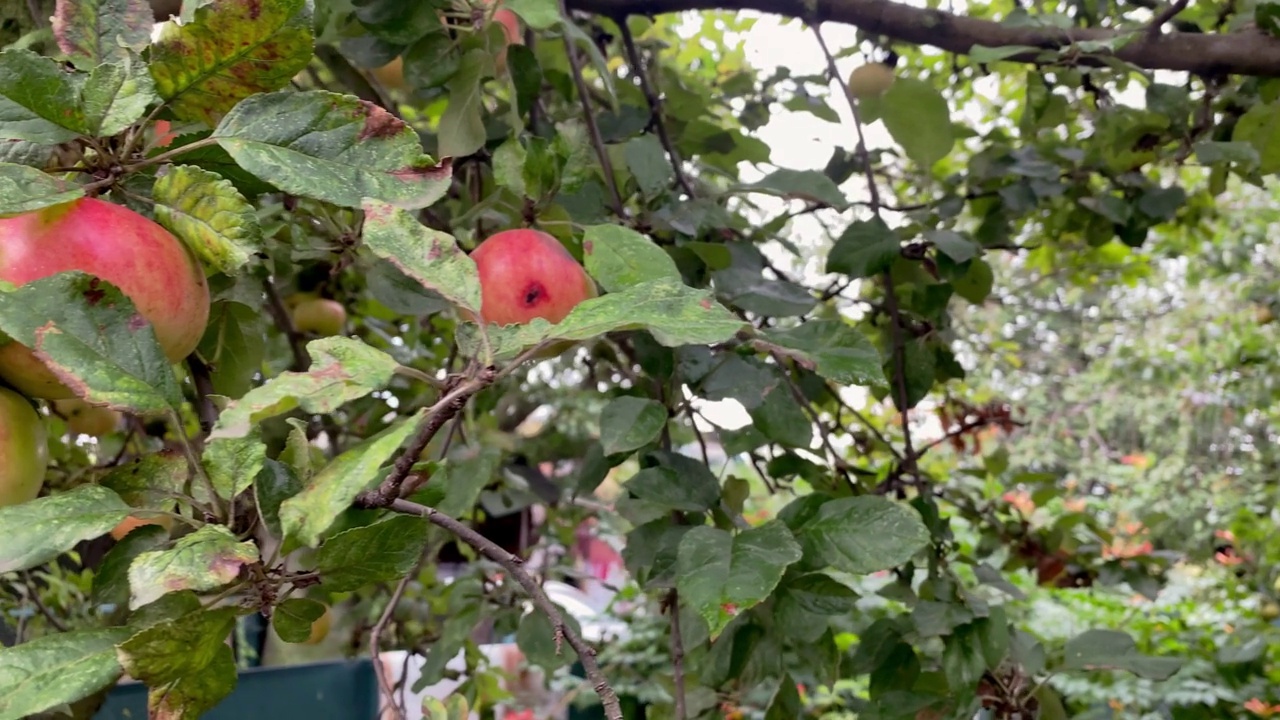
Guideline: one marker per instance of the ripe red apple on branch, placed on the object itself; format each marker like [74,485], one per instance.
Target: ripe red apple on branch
[149,265]
[24,454]
[527,274]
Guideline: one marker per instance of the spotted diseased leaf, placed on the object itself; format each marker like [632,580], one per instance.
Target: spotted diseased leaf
[332,147]
[55,669]
[722,575]
[371,554]
[305,516]
[208,214]
[620,257]
[93,339]
[185,663]
[863,534]
[232,463]
[232,50]
[92,32]
[204,560]
[151,481]
[116,95]
[111,580]
[431,257]
[38,531]
[24,189]
[342,369]
[673,312]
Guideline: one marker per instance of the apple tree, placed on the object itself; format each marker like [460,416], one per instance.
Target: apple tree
[258,358]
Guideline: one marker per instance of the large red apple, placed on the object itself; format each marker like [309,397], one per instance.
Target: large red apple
[135,254]
[24,452]
[527,274]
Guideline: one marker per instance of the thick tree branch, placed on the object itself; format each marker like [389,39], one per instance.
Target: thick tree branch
[1248,52]
[513,566]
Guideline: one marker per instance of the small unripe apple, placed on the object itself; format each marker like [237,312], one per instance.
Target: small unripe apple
[527,274]
[320,316]
[24,453]
[320,628]
[871,80]
[148,264]
[85,419]
[391,75]
[134,522]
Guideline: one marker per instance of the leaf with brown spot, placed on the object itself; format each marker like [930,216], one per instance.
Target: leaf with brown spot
[343,370]
[185,663]
[91,32]
[431,257]
[232,50]
[332,147]
[206,559]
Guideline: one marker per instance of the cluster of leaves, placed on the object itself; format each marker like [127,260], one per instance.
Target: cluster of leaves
[884,574]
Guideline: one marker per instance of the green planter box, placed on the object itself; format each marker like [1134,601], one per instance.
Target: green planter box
[345,690]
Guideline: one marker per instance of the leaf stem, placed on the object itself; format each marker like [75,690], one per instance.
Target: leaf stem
[588,116]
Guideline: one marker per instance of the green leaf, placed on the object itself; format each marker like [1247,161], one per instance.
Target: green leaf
[865,248]
[375,553]
[984,54]
[674,313]
[920,364]
[232,50]
[839,353]
[722,575]
[116,96]
[805,605]
[976,284]
[538,14]
[186,663]
[111,581]
[812,186]
[37,88]
[630,423]
[508,166]
[917,117]
[786,703]
[207,559]
[780,417]
[956,246]
[648,162]
[536,638]
[276,483]
[208,214]
[24,189]
[619,257]
[464,475]
[332,147]
[342,369]
[1260,127]
[92,32]
[665,487]
[22,152]
[38,531]
[294,617]
[1111,649]
[863,534]
[233,346]
[151,481]
[305,516]
[233,462]
[55,669]
[93,339]
[431,257]
[462,124]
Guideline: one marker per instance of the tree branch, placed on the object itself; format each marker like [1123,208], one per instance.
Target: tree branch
[655,105]
[588,117]
[1249,52]
[513,566]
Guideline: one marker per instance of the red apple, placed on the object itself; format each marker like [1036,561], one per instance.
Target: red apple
[149,265]
[24,454]
[527,274]
[85,419]
[320,316]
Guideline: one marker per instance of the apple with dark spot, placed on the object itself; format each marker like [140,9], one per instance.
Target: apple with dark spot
[527,274]
[148,264]
[24,454]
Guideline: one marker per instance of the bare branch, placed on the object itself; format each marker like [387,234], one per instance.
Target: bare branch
[655,106]
[513,566]
[677,654]
[1248,52]
[375,640]
[1165,16]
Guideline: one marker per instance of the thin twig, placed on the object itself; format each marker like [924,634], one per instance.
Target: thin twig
[655,105]
[588,117]
[513,566]
[677,654]
[34,594]
[205,408]
[375,640]
[1165,16]
[442,412]
[297,344]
